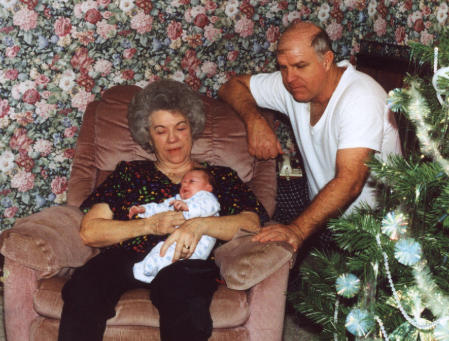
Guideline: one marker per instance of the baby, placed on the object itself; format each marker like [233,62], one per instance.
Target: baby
[195,199]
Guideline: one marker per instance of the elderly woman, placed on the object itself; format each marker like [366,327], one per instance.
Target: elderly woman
[164,118]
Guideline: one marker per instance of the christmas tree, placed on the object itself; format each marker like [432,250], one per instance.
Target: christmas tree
[388,276]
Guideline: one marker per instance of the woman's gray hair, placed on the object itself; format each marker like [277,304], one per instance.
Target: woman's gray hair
[167,95]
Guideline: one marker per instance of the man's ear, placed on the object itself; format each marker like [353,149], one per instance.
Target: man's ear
[328,59]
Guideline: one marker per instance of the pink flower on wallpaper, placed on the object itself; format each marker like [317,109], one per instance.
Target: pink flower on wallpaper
[78,11]
[244,27]
[103,3]
[105,30]
[351,3]
[70,132]
[174,30]
[419,25]
[4,107]
[399,34]
[62,26]
[25,19]
[128,74]
[86,5]
[82,99]
[31,96]
[93,16]
[44,147]
[25,162]
[44,109]
[129,53]
[59,185]
[23,181]
[426,38]
[201,20]
[142,23]
[103,67]
[211,33]
[24,118]
[45,94]
[42,80]
[273,34]
[81,59]
[209,68]
[210,5]
[190,62]
[20,140]
[12,51]
[232,55]
[107,14]
[69,153]
[334,30]
[11,74]
[10,212]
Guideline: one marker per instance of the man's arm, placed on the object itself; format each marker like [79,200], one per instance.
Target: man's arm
[262,141]
[330,202]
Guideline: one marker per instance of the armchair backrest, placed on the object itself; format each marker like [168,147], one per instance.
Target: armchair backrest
[104,140]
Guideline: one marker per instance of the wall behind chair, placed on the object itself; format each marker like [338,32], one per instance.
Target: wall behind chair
[56,56]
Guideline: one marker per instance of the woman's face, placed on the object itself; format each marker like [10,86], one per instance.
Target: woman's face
[171,137]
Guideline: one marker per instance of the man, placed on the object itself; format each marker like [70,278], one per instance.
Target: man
[339,119]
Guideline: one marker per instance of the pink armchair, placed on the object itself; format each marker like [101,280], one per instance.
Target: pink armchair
[41,250]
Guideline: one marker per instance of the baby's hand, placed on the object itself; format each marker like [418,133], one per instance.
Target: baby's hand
[179,205]
[136,209]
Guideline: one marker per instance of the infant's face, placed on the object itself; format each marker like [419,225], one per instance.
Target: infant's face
[193,182]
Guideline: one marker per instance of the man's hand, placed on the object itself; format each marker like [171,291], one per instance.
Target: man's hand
[280,233]
[262,141]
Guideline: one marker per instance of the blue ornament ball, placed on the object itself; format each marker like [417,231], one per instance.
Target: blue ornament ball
[347,285]
[407,251]
[359,322]
[394,225]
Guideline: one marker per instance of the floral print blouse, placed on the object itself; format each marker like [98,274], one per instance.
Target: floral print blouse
[140,182]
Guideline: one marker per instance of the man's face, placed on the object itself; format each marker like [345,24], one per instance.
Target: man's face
[303,72]
[193,182]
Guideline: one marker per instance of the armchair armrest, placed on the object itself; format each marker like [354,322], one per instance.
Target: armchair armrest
[244,263]
[48,241]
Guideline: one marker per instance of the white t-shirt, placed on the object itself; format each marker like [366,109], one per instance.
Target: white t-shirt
[356,116]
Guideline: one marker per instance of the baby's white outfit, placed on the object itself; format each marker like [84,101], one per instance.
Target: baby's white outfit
[202,204]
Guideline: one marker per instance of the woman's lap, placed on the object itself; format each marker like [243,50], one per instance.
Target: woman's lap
[184,288]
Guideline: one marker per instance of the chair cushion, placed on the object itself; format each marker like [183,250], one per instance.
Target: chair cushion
[229,308]
[223,141]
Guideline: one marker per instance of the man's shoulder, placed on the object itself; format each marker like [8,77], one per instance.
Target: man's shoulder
[359,81]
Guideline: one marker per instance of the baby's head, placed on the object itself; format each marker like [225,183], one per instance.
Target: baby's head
[195,180]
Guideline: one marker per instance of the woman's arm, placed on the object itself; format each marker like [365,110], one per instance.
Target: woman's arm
[224,228]
[99,229]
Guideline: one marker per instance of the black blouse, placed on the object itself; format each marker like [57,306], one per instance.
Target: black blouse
[140,182]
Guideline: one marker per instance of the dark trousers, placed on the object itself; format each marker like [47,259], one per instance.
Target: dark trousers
[182,292]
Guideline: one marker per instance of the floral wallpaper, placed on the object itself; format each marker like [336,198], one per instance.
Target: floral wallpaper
[57,56]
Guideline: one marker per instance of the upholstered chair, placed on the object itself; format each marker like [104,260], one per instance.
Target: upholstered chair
[42,250]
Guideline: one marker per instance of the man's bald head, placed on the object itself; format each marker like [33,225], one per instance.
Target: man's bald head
[307,32]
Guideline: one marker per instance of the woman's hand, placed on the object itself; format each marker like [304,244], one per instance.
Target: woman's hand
[186,238]
[166,222]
